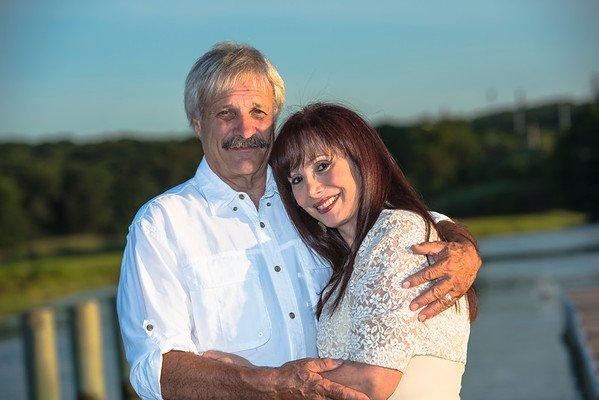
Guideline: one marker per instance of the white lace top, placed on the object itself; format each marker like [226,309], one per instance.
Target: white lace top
[373,323]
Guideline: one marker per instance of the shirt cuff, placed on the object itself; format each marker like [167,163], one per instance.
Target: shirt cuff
[145,374]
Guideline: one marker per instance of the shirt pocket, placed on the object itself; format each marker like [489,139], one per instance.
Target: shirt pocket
[228,304]
[318,273]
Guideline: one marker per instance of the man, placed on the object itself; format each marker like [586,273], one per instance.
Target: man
[215,274]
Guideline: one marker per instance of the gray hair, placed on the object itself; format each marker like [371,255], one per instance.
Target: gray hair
[220,68]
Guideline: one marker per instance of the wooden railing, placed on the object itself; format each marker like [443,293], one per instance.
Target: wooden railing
[38,330]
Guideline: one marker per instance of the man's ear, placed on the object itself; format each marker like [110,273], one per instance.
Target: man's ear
[197,127]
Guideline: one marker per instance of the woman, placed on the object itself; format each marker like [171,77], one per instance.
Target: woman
[352,204]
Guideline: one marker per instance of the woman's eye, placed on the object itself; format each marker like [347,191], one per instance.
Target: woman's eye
[295,180]
[323,166]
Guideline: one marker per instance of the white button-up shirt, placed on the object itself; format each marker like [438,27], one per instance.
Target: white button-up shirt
[204,269]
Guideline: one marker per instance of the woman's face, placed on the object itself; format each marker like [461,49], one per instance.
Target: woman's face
[328,189]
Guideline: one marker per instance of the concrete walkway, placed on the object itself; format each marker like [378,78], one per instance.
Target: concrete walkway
[516,348]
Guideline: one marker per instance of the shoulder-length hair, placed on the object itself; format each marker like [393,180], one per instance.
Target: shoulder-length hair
[325,128]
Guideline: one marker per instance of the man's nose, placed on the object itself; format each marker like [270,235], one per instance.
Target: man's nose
[246,126]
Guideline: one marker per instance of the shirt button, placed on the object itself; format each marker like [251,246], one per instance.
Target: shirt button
[268,204]
[291,315]
[242,196]
[277,268]
[260,334]
[262,224]
[149,327]
[234,208]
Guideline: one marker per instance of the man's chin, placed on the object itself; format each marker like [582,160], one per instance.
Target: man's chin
[247,168]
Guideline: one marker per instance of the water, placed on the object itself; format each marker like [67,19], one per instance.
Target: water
[516,349]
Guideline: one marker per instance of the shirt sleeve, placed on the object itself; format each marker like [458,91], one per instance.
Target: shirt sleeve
[383,330]
[153,307]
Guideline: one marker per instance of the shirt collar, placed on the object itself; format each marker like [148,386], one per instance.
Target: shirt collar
[220,194]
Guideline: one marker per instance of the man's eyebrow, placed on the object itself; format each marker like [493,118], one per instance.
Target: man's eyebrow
[214,108]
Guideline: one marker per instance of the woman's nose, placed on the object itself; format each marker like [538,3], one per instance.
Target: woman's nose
[314,187]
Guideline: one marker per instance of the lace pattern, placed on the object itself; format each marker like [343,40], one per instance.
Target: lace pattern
[373,323]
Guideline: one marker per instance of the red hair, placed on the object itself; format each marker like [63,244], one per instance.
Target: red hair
[324,128]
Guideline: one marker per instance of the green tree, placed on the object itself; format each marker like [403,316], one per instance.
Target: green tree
[578,162]
[14,223]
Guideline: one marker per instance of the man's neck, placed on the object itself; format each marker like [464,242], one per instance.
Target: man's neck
[254,185]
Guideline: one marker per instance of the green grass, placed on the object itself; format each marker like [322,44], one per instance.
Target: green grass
[82,243]
[504,224]
[28,283]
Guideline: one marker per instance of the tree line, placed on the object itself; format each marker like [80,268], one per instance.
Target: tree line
[463,167]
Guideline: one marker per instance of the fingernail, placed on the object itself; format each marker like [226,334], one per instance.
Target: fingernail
[338,362]
[421,318]
[414,306]
[405,284]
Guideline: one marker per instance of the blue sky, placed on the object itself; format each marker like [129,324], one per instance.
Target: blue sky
[86,67]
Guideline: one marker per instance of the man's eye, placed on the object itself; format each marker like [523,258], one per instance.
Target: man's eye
[295,180]
[225,114]
[323,166]
[258,113]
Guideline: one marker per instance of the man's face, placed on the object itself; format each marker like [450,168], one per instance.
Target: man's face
[237,129]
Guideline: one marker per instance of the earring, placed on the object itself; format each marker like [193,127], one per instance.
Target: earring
[322,227]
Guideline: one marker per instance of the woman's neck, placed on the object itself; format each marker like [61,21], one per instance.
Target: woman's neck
[348,233]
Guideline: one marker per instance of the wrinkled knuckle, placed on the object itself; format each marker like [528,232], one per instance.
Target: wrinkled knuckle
[440,306]
[304,376]
[437,292]
[428,274]
[421,299]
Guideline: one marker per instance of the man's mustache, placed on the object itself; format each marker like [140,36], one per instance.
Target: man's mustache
[239,142]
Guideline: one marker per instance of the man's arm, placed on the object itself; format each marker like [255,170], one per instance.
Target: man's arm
[189,376]
[155,321]
[456,265]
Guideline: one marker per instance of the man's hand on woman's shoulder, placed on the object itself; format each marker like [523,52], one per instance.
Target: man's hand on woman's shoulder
[456,264]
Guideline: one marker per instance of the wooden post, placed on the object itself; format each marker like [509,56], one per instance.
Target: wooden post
[41,354]
[87,329]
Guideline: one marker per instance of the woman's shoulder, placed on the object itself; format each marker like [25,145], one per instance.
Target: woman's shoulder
[401,222]
[395,229]
[401,215]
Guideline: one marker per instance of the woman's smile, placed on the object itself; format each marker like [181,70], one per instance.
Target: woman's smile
[327,188]
[326,204]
